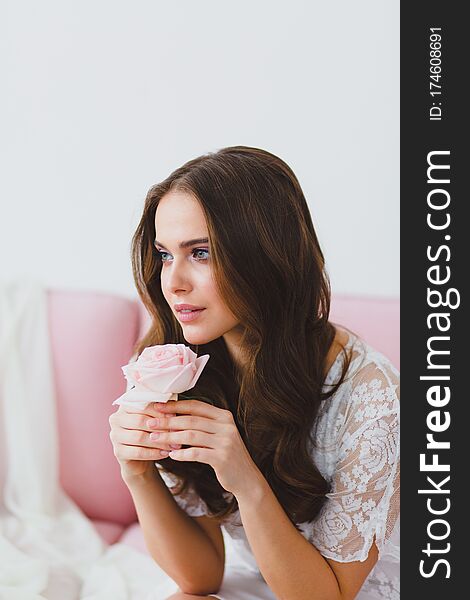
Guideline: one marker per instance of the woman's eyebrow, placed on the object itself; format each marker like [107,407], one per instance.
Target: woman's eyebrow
[187,243]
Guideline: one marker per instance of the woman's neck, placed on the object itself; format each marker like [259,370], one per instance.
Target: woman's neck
[233,342]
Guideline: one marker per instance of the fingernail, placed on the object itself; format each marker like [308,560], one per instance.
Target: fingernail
[154,436]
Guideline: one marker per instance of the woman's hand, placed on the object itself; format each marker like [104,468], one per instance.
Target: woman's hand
[214,439]
[129,434]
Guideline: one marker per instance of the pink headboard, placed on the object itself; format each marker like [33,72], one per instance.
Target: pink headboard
[376,320]
[92,335]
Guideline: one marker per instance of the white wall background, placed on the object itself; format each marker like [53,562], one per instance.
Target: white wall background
[102,99]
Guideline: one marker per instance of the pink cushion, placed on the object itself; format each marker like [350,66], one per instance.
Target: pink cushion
[110,532]
[134,537]
[92,335]
[145,320]
[377,320]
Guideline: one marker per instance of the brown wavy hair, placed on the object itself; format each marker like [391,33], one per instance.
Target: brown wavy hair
[270,272]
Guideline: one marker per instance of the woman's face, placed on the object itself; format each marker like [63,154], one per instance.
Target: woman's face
[186,275]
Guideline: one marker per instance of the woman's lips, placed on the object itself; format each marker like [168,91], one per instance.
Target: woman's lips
[185,317]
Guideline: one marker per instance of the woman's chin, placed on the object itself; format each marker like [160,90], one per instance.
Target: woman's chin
[196,339]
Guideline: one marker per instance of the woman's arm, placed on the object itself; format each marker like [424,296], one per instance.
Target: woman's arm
[292,567]
[186,551]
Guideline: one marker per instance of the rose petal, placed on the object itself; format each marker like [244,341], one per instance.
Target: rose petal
[200,364]
[161,371]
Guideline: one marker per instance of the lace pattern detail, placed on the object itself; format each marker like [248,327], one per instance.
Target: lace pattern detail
[363,425]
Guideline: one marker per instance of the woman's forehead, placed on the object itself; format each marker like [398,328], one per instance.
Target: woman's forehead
[178,218]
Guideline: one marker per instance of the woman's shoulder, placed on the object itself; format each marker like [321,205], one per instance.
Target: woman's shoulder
[371,383]
[366,403]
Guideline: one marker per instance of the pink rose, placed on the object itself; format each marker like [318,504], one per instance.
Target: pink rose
[160,373]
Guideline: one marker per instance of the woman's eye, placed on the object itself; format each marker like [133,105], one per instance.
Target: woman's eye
[161,253]
[196,251]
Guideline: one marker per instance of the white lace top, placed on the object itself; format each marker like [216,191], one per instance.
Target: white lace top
[358,453]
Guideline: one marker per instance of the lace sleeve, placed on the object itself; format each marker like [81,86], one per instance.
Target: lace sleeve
[364,499]
[189,501]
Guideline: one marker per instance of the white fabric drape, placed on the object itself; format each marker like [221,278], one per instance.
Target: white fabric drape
[49,549]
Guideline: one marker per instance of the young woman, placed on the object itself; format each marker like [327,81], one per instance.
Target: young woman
[289,440]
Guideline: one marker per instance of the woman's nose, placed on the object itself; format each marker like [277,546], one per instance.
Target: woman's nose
[176,277]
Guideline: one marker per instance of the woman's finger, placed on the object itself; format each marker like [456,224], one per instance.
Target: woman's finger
[198,408]
[138,453]
[202,455]
[139,420]
[135,437]
[188,437]
[177,423]
[151,410]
